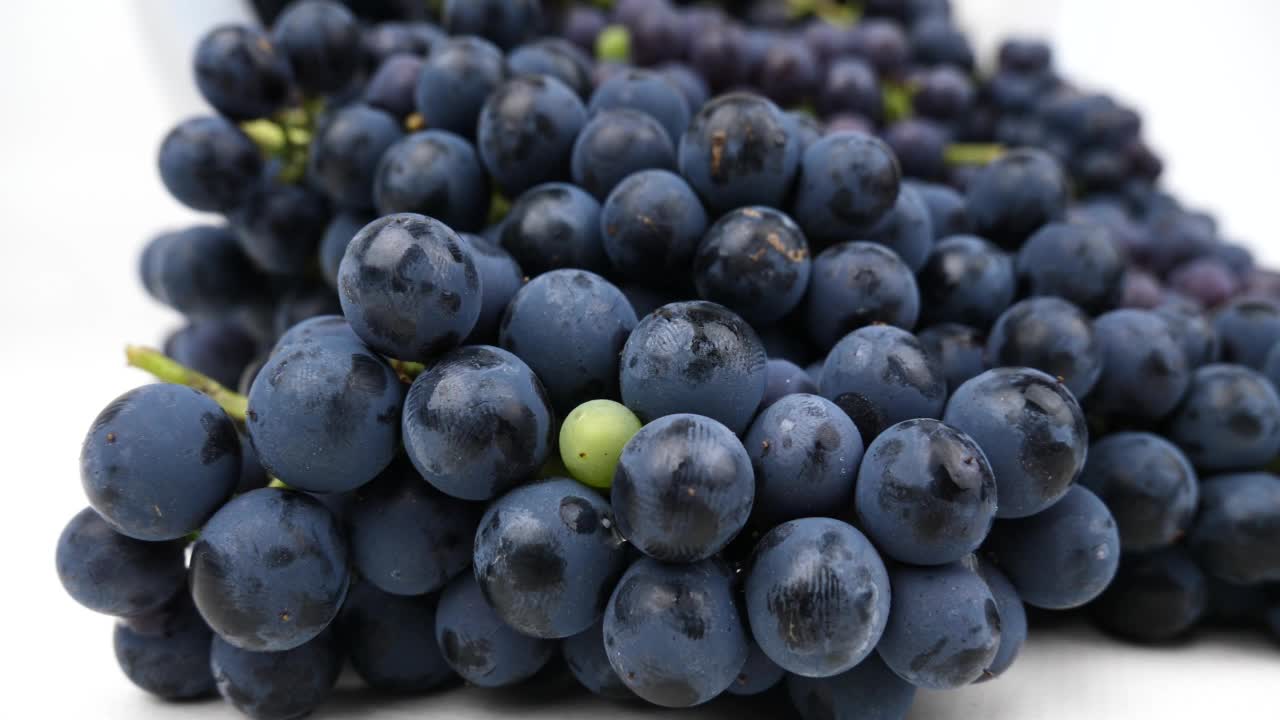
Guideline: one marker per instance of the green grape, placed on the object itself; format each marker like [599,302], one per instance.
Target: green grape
[591,440]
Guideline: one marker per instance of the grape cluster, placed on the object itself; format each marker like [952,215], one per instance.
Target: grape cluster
[568,332]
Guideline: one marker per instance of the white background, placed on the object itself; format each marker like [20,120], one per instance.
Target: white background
[88,90]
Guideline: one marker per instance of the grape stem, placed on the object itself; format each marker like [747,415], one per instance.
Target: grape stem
[168,370]
[972,153]
[407,369]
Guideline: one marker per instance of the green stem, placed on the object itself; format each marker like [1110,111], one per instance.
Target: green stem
[973,153]
[407,369]
[278,484]
[168,370]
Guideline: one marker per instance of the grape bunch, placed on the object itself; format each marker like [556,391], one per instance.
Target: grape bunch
[705,349]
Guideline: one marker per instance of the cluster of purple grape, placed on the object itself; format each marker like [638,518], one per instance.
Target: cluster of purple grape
[507,352]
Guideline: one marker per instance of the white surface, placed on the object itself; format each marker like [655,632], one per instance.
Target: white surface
[89,89]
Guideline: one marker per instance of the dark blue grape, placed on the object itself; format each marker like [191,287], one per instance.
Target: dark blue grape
[1144,368]
[337,236]
[948,214]
[437,174]
[505,23]
[406,537]
[683,488]
[345,152]
[870,691]
[1248,329]
[252,474]
[240,73]
[755,261]
[556,57]
[1051,335]
[575,312]
[783,378]
[805,453]
[657,35]
[616,143]
[114,574]
[269,571]
[409,287]
[219,347]
[689,83]
[1236,536]
[1155,597]
[478,423]
[920,146]
[277,685]
[805,128]
[394,37]
[817,596]
[207,164]
[856,284]
[694,357]
[546,558]
[552,226]
[1192,328]
[966,280]
[881,375]
[943,93]
[739,150]
[1062,557]
[1235,606]
[581,24]
[456,79]
[1016,194]
[280,226]
[585,655]
[758,675]
[166,652]
[390,640]
[323,327]
[1076,261]
[1025,55]
[906,229]
[925,494]
[789,73]
[647,91]
[302,302]
[851,86]
[198,270]
[663,617]
[944,631]
[959,349]
[848,182]
[883,43]
[1147,483]
[478,645]
[1032,431]
[1229,419]
[1013,618]
[322,415]
[526,132]
[321,40]
[159,460]
[828,40]
[651,224]
[1207,280]
[500,278]
[718,54]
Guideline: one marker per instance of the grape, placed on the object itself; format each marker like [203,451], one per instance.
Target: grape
[1016,194]
[829,41]
[114,574]
[1062,557]
[1248,328]
[1234,605]
[342,227]
[506,23]
[1025,55]
[1074,261]
[166,652]
[1229,419]
[500,278]
[198,270]
[455,81]
[848,182]
[322,415]
[269,571]
[208,164]
[392,85]
[385,39]
[1155,597]
[1208,280]
[406,537]
[944,631]
[252,474]
[1147,483]
[277,685]
[1013,618]
[905,229]
[755,261]
[943,93]
[159,460]
[433,173]
[321,40]
[546,558]
[1032,431]
[616,143]
[657,35]
[592,438]
[345,152]
[585,655]
[857,284]
[925,493]
[805,128]
[552,226]
[739,150]
[688,82]
[817,596]
[301,302]
[557,58]
[758,675]
[883,44]
[789,73]
[966,280]
[218,347]
[673,633]
[805,453]
[1019,95]
[1051,335]
[870,691]
[1193,330]
[477,423]
[409,287]
[323,327]
[240,74]
[880,375]
[783,378]
[851,86]
[390,640]
[1140,289]
[920,146]
[280,225]
[957,348]
[1144,370]
[526,131]
[1236,536]
[695,357]
[476,643]
[947,212]
[651,224]
[718,53]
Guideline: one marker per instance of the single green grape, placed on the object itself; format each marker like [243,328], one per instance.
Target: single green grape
[591,440]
